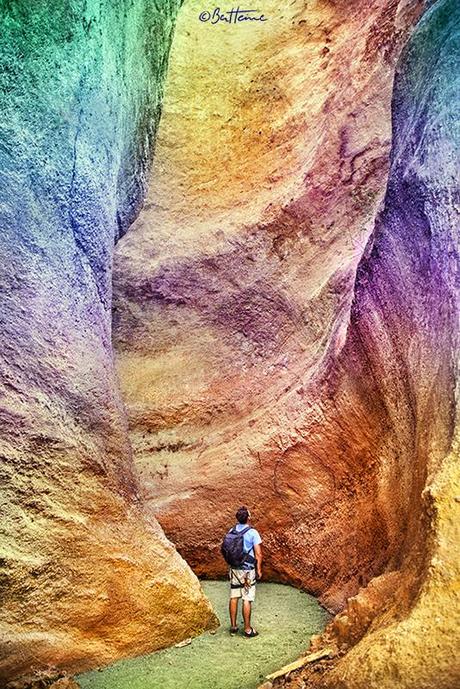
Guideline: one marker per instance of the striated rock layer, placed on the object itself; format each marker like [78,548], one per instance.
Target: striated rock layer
[405,317]
[86,572]
[232,298]
[269,354]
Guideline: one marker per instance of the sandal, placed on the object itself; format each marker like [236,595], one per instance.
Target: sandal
[252,633]
[233,630]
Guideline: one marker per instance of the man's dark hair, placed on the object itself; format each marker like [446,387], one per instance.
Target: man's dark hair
[242,514]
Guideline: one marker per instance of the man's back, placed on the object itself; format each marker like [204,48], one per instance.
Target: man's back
[250,539]
[243,579]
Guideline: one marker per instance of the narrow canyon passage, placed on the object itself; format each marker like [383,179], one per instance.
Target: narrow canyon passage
[266,312]
[286,619]
[286,319]
[233,292]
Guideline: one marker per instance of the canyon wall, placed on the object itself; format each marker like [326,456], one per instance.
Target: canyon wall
[404,324]
[233,291]
[87,574]
[285,324]
[286,321]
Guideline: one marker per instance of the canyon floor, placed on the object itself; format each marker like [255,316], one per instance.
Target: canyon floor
[285,618]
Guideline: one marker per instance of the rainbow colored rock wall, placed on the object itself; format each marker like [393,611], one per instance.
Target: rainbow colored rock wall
[286,320]
[285,326]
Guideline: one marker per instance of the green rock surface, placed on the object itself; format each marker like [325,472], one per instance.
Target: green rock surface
[285,618]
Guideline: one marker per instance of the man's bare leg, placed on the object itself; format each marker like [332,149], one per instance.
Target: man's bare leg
[247,615]
[233,610]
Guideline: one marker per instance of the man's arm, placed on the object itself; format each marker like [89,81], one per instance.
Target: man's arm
[258,556]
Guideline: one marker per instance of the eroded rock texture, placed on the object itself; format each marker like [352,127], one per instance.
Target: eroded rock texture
[270,355]
[86,573]
[405,323]
[233,296]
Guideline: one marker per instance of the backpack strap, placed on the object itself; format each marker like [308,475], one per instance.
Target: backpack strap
[248,559]
[234,531]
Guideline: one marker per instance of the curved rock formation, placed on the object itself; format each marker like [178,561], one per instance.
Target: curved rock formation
[86,572]
[417,231]
[286,330]
[405,321]
[232,295]
[270,354]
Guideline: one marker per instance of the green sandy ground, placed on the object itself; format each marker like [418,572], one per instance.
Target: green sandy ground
[284,617]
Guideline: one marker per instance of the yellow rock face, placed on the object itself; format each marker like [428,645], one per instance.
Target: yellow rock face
[421,650]
[114,587]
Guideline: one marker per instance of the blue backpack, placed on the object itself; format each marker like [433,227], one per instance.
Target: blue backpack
[232,548]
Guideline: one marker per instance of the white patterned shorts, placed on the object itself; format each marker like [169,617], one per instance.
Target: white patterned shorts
[243,584]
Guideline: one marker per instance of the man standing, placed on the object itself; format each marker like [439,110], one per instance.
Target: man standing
[243,576]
